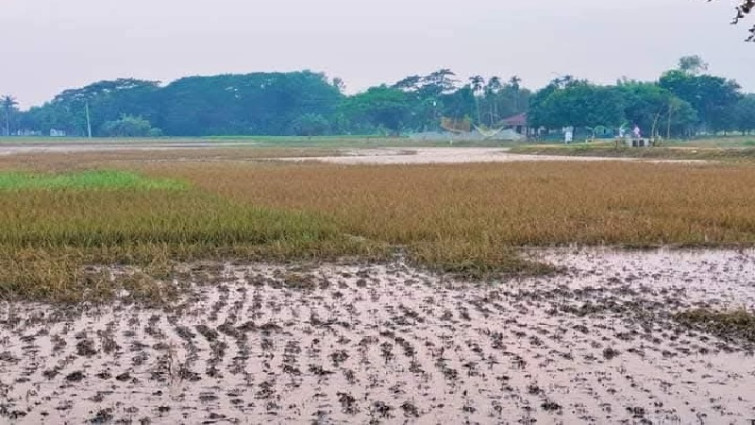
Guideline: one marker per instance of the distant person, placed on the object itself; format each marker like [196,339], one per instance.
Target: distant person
[568,136]
[637,132]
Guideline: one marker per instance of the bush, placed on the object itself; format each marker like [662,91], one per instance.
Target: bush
[310,125]
[129,126]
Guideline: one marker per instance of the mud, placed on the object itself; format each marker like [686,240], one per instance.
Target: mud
[452,155]
[392,344]
[360,156]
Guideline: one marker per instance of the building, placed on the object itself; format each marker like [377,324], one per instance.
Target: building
[517,123]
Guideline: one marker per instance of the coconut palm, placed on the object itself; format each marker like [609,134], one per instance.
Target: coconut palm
[477,82]
[8,104]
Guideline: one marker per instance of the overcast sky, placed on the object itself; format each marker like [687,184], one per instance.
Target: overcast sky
[50,45]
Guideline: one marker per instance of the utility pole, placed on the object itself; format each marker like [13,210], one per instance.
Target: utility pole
[89,122]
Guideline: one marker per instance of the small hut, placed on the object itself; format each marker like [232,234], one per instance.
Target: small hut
[517,123]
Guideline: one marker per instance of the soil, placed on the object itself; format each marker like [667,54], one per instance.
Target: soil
[408,155]
[391,344]
[451,155]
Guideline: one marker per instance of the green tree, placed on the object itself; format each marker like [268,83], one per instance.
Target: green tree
[655,109]
[568,102]
[438,83]
[712,97]
[310,125]
[744,115]
[381,106]
[8,103]
[107,101]
[129,126]
[477,83]
[258,103]
[460,103]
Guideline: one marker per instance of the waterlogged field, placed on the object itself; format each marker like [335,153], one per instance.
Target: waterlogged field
[221,285]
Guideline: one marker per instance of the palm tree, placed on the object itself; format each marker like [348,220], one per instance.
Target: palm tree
[491,93]
[515,83]
[477,83]
[8,103]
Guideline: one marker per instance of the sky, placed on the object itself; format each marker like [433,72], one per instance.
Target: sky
[51,45]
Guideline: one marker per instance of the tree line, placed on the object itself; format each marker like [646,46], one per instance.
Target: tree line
[295,103]
[681,103]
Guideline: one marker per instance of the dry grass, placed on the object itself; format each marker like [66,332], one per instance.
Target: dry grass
[514,204]
[703,152]
[466,219]
[49,162]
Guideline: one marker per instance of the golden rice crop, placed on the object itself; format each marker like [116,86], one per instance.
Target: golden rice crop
[516,204]
[468,219]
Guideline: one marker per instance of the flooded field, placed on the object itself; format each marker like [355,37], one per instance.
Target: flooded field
[253,343]
[450,155]
[352,156]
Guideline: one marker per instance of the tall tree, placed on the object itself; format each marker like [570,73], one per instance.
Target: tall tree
[744,114]
[515,85]
[381,107]
[713,97]
[492,89]
[439,82]
[576,103]
[477,83]
[693,64]
[8,104]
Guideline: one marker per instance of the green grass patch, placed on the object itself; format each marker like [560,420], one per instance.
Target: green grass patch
[85,180]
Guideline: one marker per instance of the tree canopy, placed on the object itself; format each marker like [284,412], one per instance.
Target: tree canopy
[682,102]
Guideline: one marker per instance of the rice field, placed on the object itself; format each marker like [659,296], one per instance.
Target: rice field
[188,285]
[85,180]
[62,213]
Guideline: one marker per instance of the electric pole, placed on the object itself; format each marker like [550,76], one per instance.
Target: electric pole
[89,122]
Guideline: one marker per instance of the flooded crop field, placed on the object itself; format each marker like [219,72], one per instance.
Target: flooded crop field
[387,343]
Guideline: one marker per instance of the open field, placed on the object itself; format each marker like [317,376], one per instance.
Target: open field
[325,142]
[728,149]
[467,219]
[227,284]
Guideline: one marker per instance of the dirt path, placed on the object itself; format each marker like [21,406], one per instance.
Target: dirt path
[390,344]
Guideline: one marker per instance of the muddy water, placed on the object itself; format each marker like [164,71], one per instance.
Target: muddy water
[452,155]
[390,344]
